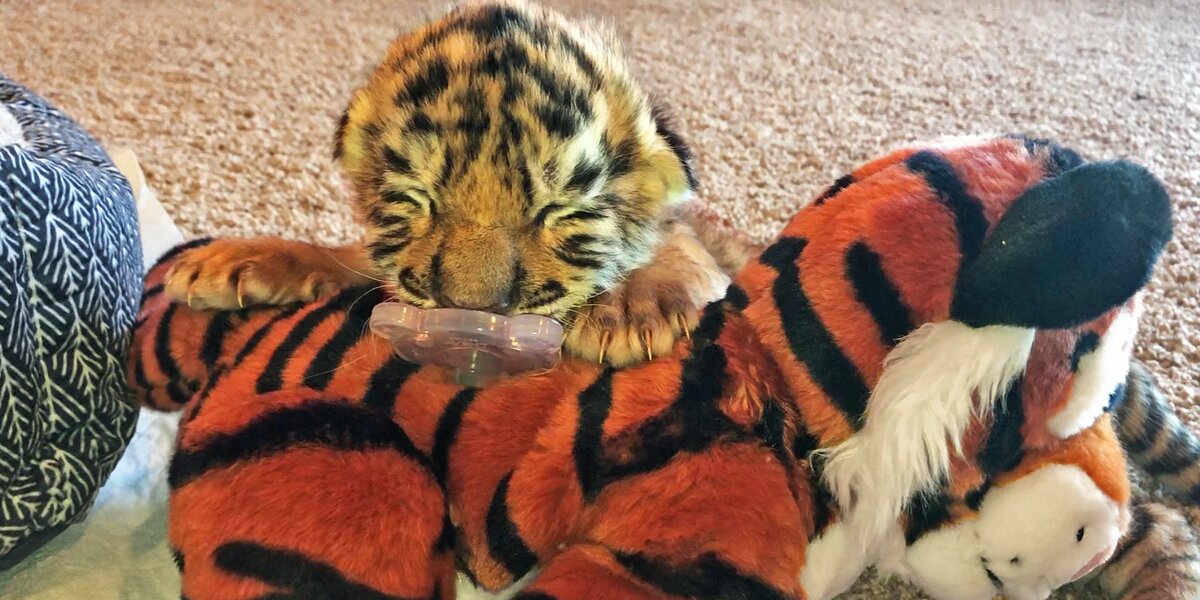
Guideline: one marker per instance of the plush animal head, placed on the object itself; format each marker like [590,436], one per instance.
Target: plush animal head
[923,287]
[1050,521]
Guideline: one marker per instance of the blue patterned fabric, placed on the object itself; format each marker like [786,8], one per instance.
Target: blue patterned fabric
[70,279]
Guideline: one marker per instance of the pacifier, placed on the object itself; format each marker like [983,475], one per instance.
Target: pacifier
[478,347]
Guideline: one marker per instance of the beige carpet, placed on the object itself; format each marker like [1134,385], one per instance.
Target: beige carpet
[231,105]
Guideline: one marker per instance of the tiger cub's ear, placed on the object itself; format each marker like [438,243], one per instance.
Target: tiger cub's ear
[1068,250]
[665,127]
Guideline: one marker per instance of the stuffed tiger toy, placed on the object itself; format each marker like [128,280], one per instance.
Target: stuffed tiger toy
[501,158]
[313,463]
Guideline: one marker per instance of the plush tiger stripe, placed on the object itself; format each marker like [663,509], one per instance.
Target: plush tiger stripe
[640,479]
[1159,559]
[1156,439]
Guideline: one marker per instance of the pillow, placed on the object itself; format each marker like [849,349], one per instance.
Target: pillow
[70,279]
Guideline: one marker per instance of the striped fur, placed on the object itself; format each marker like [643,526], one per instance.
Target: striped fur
[500,157]
[1157,441]
[1159,559]
[311,458]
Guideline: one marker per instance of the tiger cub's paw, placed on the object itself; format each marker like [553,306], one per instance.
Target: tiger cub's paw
[657,304]
[236,273]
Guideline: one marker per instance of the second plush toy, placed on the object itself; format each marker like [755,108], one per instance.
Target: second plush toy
[938,324]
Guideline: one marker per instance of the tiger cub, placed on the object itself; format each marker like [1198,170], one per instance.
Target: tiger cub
[502,158]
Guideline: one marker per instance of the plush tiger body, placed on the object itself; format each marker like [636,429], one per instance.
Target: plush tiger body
[503,158]
[311,461]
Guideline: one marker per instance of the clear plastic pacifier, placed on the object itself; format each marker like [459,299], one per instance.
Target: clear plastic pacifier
[478,347]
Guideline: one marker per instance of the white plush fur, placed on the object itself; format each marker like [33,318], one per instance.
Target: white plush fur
[1100,372]
[159,232]
[463,590]
[10,130]
[1034,519]
[934,383]
[835,560]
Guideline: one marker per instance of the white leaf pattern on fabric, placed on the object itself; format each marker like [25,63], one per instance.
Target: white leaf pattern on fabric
[70,279]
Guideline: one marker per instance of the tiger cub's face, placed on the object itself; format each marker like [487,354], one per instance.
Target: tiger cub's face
[503,159]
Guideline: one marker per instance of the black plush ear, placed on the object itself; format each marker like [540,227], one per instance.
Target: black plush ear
[1068,250]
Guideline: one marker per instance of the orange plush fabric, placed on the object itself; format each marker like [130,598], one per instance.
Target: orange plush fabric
[313,463]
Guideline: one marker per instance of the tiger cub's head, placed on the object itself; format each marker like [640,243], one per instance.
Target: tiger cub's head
[503,158]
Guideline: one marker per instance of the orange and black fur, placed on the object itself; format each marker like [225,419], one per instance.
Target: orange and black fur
[503,158]
[313,463]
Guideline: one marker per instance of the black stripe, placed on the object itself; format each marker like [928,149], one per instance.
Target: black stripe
[581,58]
[411,283]
[770,429]
[576,261]
[664,126]
[391,196]
[1179,453]
[842,183]
[494,21]
[426,84]
[810,342]
[539,220]
[691,424]
[386,382]
[271,378]
[926,512]
[533,596]
[447,430]
[381,250]
[557,120]
[329,358]
[875,291]
[974,498]
[1086,344]
[707,577]
[969,219]
[594,404]
[1003,449]
[823,501]
[582,215]
[398,164]
[1155,417]
[339,134]
[549,292]
[162,345]
[139,375]
[447,539]
[336,425]
[214,337]
[420,123]
[503,540]
[181,248]
[736,296]
[177,394]
[300,575]
[257,337]
[149,293]
[526,182]
[177,557]
[584,176]
[202,396]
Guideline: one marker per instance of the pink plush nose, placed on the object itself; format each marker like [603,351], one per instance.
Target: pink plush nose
[1096,561]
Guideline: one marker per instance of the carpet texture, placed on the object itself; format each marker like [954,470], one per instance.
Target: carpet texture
[231,105]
